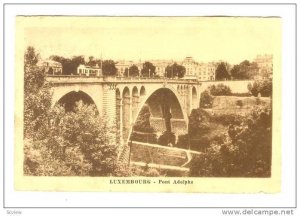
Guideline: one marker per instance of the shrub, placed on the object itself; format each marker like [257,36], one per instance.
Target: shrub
[246,151]
[206,100]
[198,122]
[227,119]
[183,141]
[167,138]
[239,103]
[219,90]
[247,94]
[264,87]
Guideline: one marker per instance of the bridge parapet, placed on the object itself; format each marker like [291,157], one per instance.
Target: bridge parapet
[87,79]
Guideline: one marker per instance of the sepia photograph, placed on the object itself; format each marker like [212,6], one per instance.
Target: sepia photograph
[147,100]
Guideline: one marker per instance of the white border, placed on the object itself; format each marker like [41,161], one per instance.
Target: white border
[36,199]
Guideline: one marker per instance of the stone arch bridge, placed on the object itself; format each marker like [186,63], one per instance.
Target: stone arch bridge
[120,100]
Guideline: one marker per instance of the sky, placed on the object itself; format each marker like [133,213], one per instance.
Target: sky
[231,39]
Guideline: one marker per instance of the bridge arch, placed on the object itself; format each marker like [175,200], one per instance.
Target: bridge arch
[176,108]
[69,100]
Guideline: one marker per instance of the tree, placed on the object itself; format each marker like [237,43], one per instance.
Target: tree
[69,66]
[109,68]
[37,95]
[246,150]
[264,87]
[148,70]
[222,72]
[77,143]
[198,129]
[31,57]
[198,122]
[175,70]
[244,70]
[92,61]
[206,99]
[133,71]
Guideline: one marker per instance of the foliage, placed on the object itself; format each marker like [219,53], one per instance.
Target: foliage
[198,122]
[222,72]
[244,70]
[206,99]
[239,103]
[167,138]
[109,68]
[80,142]
[183,141]
[31,57]
[175,70]
[37,95]
[219,90]
[133,71]
[227,119]
[148,70]
[262,87]
[246,151]
[69,65]
[203,131]
[142,123]
[246,94]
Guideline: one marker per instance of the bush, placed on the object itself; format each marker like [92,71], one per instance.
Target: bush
[227,119]
[246,151]
[241,94]
[262,87]
[219,90]
[206,100]
[183,141]
[76,143]
[167,138]
[199,121]
[239,103]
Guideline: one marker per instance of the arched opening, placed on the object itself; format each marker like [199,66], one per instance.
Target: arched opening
[142,91]
[166,114]
[194,98]
[135,101]
[126,112]
[68,101]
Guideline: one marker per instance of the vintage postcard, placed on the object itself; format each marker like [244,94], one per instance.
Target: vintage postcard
[148,104]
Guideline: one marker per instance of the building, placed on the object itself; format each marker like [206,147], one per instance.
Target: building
[50,67]
[122,66]
[160,66]
[191,68]
[86,70]
[265,65]
[206,71]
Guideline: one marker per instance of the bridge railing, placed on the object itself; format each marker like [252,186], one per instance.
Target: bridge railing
[83,78]
[70,78]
